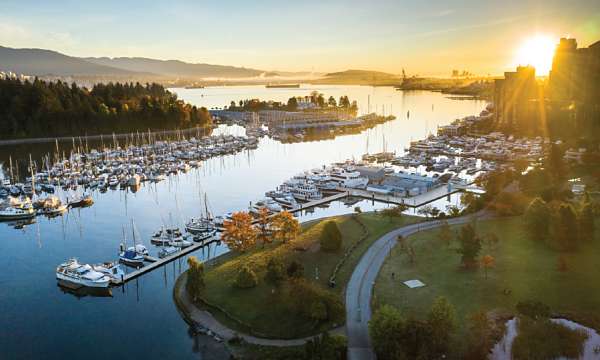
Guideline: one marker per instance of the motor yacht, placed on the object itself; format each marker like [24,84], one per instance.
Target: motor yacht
[74,273]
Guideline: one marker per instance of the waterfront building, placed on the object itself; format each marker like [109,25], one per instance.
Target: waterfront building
[517,100]
[574,85]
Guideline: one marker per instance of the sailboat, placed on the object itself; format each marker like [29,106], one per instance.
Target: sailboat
[203,227]
[133,255]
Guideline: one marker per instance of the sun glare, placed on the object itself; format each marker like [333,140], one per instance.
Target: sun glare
[537,51]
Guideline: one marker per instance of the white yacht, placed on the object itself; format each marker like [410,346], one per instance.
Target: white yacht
[271,205]
[74,273]
[304,191]
[349,179]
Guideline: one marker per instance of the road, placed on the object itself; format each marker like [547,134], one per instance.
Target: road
[360,287]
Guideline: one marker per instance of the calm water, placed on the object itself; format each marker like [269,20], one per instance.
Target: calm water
[37,319]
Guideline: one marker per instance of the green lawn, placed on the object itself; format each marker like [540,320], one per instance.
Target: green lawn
[526,270]
[264,307]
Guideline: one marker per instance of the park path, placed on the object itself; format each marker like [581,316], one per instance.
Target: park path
[207,320]
[360,286]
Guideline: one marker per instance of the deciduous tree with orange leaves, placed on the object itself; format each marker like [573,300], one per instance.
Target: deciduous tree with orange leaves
[239,233]
[285,226]
[264,223]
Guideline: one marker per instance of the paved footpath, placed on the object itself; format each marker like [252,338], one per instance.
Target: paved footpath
[360,287]
[207,320]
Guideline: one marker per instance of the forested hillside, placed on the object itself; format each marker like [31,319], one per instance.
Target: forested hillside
[43,109]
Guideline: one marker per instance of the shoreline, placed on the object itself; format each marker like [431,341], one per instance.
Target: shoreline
[22,141]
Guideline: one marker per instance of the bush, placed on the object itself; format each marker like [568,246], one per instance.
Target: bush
[246,278]
[326,347]
[331,237]
[533,309]
[195,279]
[295,270]
[316,303]
[544,339]
[275,271]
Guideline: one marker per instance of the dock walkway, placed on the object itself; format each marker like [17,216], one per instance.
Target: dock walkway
[156,263]
[413,201]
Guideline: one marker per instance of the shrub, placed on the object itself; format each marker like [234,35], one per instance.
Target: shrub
[246,278]
[195,279]
[315,303]
[295,270]
[331,237]
[275,271]
[326,347]
[544,339]
[533,309]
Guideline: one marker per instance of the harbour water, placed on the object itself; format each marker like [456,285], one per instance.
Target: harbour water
[38,319]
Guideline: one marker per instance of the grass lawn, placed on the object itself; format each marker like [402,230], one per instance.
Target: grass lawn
[527,270]
[264,307]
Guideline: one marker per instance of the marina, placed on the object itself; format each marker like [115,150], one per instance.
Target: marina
[231,181]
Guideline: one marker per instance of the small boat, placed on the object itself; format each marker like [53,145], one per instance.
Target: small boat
[180,243]
[110,269]
[165,235]
[167,251]
[204,235]
[81,201]
[199,225]
[50,206]
[72,272]
[16,213]
[133,255]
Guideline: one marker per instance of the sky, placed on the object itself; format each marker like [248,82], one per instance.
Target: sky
[425,37]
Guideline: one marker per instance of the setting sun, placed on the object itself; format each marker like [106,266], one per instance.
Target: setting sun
[537,51]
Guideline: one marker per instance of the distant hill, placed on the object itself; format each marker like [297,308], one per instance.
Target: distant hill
[176,68]
[48,62]
[359,77]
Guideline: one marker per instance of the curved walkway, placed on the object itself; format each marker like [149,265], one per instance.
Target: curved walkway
[207,320]
[360,286]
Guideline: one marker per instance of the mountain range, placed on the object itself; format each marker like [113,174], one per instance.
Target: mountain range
[41,62]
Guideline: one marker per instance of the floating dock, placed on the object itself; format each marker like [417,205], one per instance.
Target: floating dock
[156,263]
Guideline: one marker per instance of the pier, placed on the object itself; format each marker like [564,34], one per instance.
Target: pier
[156,263]
[413,201]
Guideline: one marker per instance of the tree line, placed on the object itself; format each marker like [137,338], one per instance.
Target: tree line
[315,98]
[44,109]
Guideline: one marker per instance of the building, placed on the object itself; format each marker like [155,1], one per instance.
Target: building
[574,88]
[375,174]
[517,100]
[575,74]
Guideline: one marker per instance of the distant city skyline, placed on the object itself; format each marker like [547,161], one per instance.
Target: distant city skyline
[429,38]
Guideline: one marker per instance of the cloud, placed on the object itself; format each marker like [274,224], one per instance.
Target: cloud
[11,33]
[442,13]
[468,27]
